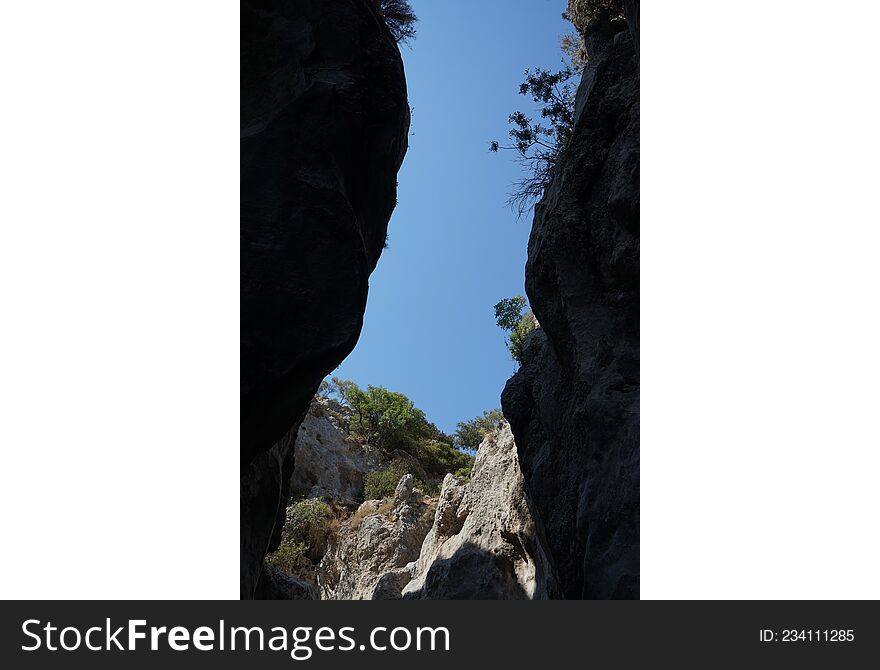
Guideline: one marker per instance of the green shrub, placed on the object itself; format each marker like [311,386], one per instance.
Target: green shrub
[306,517]
[390,423]
[440,458]
[510,318]
[508,311]
[517,339]
[469,434]
[289,555]
[383,419]
[306,526]
[463,475]
[380,484]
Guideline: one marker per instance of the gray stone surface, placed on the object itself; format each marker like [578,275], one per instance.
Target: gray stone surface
[381,537]
[328,463]
[483,544]
[574,403]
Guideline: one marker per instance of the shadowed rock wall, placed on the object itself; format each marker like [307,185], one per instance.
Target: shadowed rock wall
[574,404]
[324,123]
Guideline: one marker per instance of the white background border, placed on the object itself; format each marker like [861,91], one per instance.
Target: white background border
[119,300]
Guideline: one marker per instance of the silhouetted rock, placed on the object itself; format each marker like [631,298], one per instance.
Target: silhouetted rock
[574,403]
[324,122]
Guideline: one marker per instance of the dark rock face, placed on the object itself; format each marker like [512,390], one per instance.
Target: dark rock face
[574,404]
[324,122]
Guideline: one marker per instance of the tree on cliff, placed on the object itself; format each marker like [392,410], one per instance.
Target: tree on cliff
[399,17]
[511,318]
[390,422]
[539,144]
[383,419]
[469,434]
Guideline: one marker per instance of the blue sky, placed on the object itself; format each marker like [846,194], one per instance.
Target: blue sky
[455,248]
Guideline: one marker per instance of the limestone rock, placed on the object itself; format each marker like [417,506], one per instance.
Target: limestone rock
[483,543]
[328,463]
[381,537]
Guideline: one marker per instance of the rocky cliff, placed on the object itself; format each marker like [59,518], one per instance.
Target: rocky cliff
[328,462]
[378,539]
[574,403]
[483,543]
[477,541]
[324,122]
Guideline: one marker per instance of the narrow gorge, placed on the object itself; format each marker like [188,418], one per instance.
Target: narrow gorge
[547,506]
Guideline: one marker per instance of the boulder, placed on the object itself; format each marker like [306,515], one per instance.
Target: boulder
[381,537]
[483,543]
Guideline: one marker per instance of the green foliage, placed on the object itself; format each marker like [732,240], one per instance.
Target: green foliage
[304,535]
[517,340]
[380,484]
[307,518]
[289,555]
[399,17]
[469,434]
[539,144]
[439,458]
[509,311]
[306,526]
[383,419]
[463,474]
[510,318]
[435,458]
[389,422]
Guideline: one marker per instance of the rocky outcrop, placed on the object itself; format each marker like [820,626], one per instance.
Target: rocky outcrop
[324,122]
[483,543]
[275,584]
[379,538]
[574,403]
[477,541]
[327,462]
